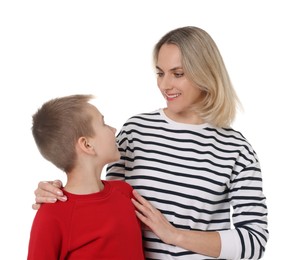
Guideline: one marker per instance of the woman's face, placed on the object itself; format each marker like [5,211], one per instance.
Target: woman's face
[180,93]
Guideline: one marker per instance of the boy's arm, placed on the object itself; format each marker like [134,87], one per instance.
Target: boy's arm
[45,237]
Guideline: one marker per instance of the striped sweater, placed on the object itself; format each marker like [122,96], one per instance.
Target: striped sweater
[200,177]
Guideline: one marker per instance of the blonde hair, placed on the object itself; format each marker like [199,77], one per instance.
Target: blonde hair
[203,65]
[57,126]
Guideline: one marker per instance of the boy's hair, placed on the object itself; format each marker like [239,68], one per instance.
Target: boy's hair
[57,126]
[204,66]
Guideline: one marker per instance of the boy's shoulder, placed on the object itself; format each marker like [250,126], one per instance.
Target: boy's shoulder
[117,183]
[53,213]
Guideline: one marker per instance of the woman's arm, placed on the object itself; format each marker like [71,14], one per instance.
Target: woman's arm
[48,192]
[248,238]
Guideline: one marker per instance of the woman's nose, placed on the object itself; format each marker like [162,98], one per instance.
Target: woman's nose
[164,83]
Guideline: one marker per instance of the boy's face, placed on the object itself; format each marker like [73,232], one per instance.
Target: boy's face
[104,141]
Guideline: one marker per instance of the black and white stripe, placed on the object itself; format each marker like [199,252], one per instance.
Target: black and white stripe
[193,174]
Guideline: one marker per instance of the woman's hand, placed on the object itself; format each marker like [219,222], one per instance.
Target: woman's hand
[154,219]
[205,243]
[48,192]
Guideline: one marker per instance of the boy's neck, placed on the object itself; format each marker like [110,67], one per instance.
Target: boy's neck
[83,183]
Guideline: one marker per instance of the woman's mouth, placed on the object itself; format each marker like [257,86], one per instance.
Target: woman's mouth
[170,97]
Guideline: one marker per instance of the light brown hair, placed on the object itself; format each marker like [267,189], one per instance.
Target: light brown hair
[204,66]
[57,126]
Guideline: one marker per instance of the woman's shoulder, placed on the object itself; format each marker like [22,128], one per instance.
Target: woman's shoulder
[229,136]
[234,138]
[227,133]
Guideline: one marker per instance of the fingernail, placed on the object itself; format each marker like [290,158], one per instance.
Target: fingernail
[60,193]
[64,198]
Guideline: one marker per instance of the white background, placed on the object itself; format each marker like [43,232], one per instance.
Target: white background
[54,48]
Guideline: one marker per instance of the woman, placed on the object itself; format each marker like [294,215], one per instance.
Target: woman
[187,162]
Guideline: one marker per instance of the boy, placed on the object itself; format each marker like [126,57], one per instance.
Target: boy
[98,220]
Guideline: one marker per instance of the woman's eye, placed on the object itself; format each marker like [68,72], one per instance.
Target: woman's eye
[159,74]
[178,75]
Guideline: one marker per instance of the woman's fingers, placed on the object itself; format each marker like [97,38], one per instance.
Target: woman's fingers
[49,187]
[143,205]
[48,192]
[153,218]
[36,206]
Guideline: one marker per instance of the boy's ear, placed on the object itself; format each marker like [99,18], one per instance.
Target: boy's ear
[84,145]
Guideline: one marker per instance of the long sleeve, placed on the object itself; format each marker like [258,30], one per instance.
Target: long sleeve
[45,238]
[250,236]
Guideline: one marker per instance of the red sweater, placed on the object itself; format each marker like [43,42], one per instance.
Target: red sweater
[102,225]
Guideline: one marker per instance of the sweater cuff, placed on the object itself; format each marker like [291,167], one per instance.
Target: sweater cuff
[230,244]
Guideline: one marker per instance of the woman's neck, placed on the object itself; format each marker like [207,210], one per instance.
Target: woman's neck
[185,118]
